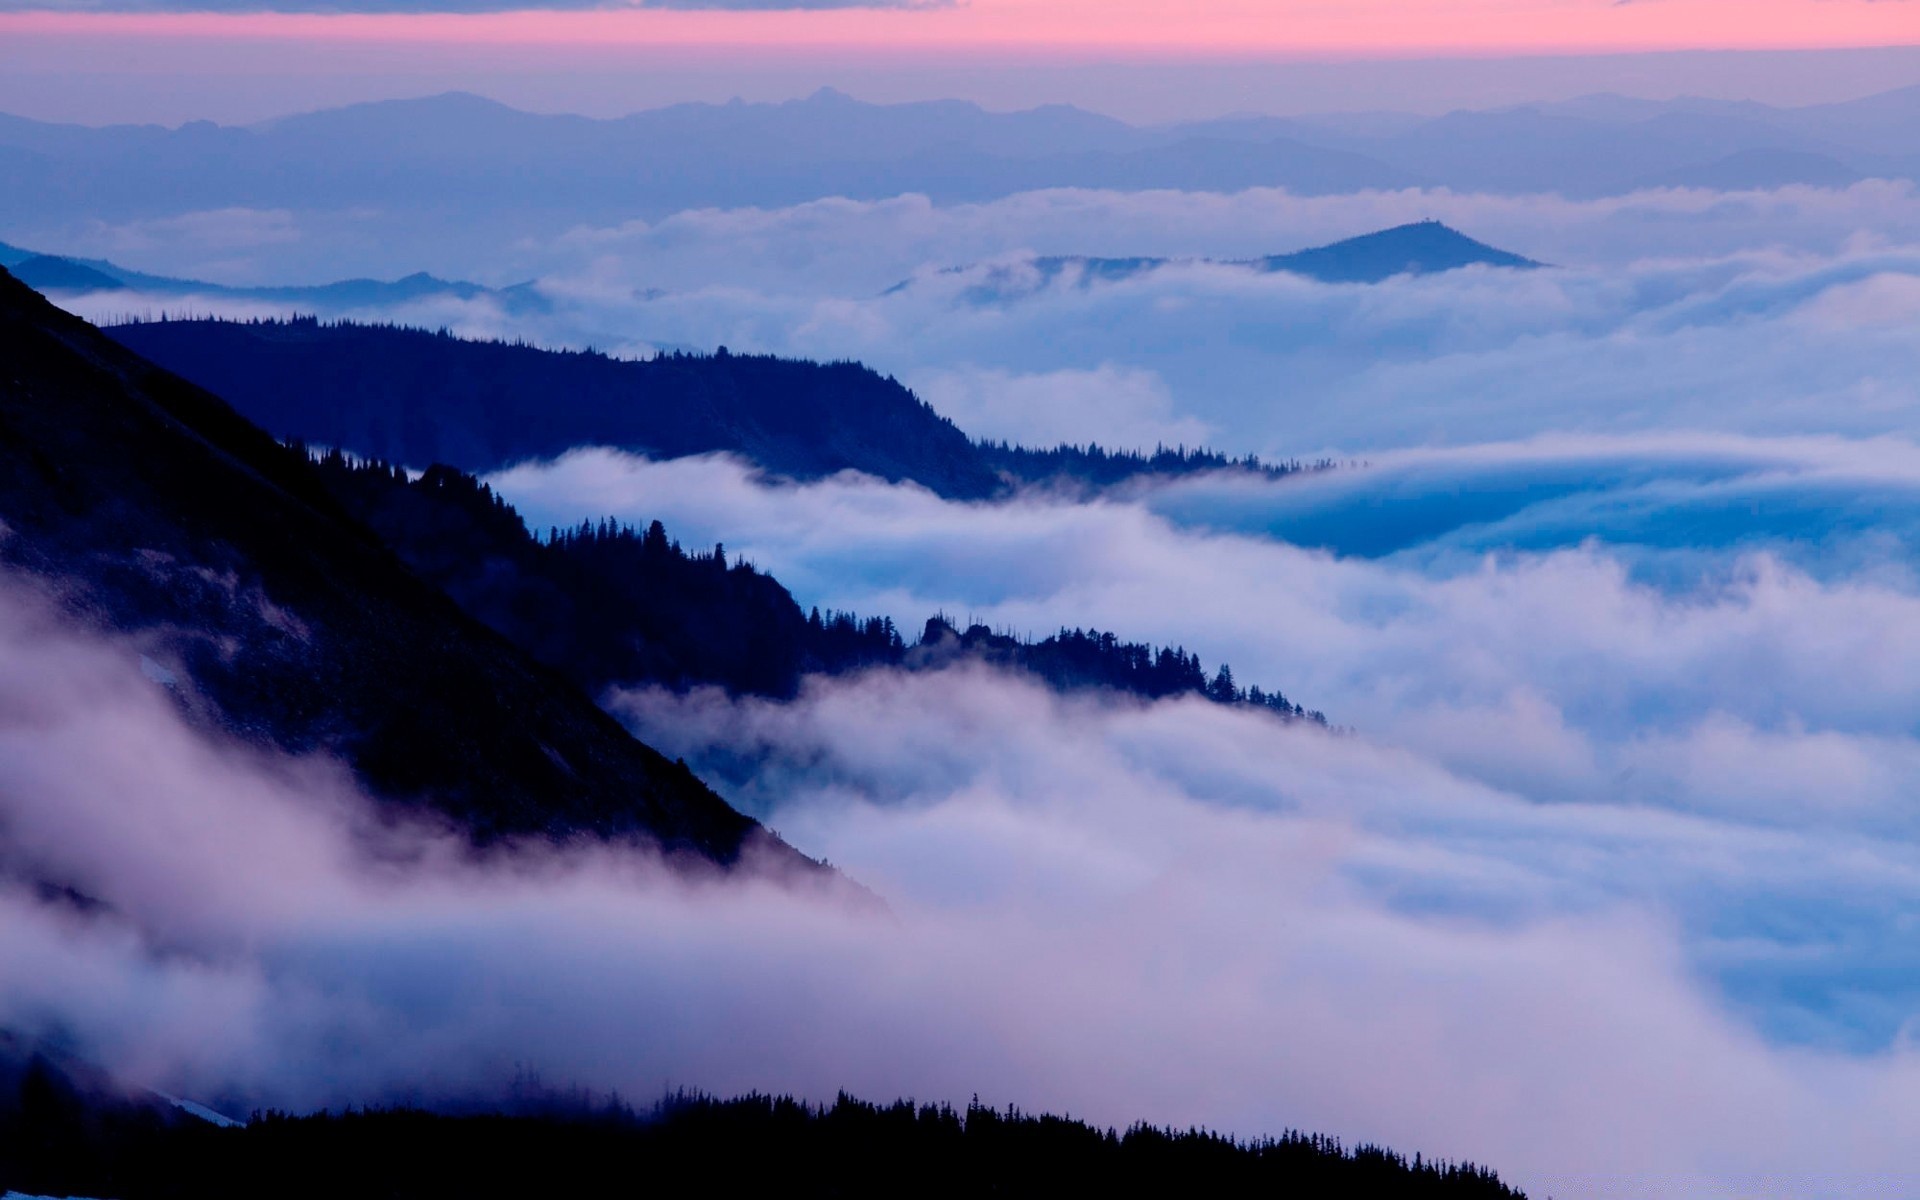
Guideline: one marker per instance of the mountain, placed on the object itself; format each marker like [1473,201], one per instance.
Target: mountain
[1885,123]
[67,1126]
[458,179]
[414,397]
[1756,170]
[45,273]
[610,606]
[1421,248]
[153,510]
[452,165]
[49,273]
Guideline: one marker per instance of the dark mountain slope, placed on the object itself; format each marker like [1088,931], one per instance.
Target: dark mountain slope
[610,606]
[414,397]
[150,507]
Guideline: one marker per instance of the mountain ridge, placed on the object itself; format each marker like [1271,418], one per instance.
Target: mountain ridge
[1416,248]
[152,509]
[412,396]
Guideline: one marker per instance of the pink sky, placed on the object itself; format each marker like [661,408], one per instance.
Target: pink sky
[1112,28]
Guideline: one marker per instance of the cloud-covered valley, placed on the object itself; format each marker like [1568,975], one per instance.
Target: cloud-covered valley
[1786,312]
[1526,617]
[1177,911]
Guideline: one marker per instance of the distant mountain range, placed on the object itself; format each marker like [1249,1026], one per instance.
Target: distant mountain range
[52,273]
[414,397]
[456,176]
[687,155]
[152,509]
[1422,248]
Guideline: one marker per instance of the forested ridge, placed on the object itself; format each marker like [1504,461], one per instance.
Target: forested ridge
[153,511]
[609,605]
[59,1136]
[415,396]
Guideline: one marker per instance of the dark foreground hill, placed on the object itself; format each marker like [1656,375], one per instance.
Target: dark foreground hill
[146,506]
[417,397]
[56,1139]
[611,606]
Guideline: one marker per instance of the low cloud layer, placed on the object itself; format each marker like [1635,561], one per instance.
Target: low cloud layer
[858,248]
[1765,313]
[1178,912]
[1678,626]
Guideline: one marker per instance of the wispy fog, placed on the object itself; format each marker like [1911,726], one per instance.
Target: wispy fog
[1653,633]
[1179,912]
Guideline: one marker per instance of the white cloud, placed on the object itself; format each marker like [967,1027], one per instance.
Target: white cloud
[1175,912]
[1120,407]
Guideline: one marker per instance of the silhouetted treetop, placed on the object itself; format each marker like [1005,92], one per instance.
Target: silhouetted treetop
[57,1139]
[612,605]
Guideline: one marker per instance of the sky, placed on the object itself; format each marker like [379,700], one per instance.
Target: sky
[1148,60]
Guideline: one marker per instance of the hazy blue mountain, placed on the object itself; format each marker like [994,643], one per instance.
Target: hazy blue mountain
[1759,169]
[53,273]
[1420,248]
[45,273]
[449,180]
[1531,150]
[1887,123]
[150,507]
[432,154]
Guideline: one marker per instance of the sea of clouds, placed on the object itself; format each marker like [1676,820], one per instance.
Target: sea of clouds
[1786,312]
[1608,880]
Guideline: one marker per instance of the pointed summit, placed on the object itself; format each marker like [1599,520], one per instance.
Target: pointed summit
[1420,248]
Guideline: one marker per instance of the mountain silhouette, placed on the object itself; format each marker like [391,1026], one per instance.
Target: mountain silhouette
[52,273]
[611,606]
[416,397]
[150,508]
[67,1140]
[46,273]
[1419,248]
[454,178]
